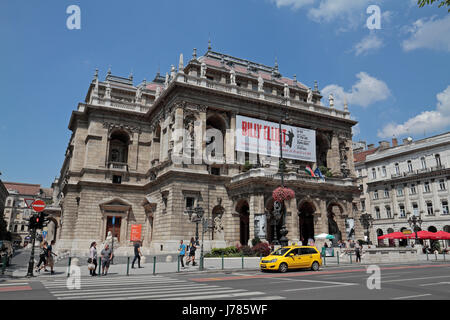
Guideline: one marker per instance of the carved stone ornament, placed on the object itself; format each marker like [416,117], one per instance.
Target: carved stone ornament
[130,129]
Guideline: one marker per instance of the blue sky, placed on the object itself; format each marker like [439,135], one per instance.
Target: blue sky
[396,79]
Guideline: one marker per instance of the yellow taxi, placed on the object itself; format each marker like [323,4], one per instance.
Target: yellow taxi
[292,257]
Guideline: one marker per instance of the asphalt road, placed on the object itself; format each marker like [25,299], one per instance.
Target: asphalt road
[405,282]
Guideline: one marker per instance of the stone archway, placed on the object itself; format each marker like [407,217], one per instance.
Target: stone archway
[379,234]
[334,214]
[243,209]
[306,211]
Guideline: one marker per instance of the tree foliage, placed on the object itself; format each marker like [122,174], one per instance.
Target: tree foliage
[442,3]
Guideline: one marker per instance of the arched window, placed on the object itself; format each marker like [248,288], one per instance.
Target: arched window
[438,160]
[424,163]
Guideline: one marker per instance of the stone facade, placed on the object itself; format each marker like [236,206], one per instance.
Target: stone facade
[137,153]
[400,181]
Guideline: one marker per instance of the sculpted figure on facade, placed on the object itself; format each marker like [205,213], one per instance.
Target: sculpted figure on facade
[310,95]
[331,100]
[260,83]
[203,70]
[233,77]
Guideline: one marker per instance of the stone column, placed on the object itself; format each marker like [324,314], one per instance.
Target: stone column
[292,220]
[200,143]
[230,141]
[333,157]
[178,134]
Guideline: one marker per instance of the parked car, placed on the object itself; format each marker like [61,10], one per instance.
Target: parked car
[292,257]
[6,249]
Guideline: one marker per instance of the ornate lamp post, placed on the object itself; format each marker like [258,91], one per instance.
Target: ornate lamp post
[366,221]
[199,213]
[414,222]
[280,210]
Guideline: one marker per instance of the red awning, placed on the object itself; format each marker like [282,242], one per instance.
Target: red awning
[423,235]
[442,235]
[393,235]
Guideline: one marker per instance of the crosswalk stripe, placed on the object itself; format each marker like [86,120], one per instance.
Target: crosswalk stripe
[126,290]
[222,295]
[92,285]
[148,295]
[14,284]
[265,298]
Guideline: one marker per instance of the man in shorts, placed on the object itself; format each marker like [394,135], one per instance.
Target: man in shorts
[106,259]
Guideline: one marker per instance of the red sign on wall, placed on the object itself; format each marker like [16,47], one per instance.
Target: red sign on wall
[136,232]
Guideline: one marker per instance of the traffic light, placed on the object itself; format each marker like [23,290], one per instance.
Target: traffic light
[34,218]
[43,220]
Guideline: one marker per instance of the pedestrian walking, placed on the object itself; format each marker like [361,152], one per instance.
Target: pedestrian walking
[182,250]
[137,254]
[92,261]
[42,257]
[106,254]
[192,248]
[358,253]
[50,254]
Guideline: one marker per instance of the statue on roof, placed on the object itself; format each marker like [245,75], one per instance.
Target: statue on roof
[203,70]
[233,77]
[331,99]
[166,82]
[158,92]
[108,91]
[286,90]
[260,83]
[310,95]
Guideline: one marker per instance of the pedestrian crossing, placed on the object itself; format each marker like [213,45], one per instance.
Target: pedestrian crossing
[147,287]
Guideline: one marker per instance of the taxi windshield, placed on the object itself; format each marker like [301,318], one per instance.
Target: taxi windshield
[280,251]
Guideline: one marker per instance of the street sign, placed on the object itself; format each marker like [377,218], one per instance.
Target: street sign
[28,202]
[44,234]
[38,205]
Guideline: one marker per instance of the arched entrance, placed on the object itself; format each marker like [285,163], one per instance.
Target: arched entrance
[333,211]
[306,221]
[403,242]
[447,229]
[244,216]
[379,234]
[391,241]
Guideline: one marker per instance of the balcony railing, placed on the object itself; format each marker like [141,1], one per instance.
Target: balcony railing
[118,166]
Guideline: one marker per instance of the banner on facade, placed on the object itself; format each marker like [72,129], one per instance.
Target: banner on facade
[136,232]
[263,137]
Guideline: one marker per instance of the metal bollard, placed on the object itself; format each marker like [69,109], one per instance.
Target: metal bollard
[444,254]
[154,265]
[178,263]
[338,257]
[350,258]
[435,255]
[68,268]
[324,260]
[99,266]
[242,261]
[128,266]
[427,254]
[223,266]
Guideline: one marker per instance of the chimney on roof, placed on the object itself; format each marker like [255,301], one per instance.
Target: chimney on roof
[370,146]
[384,145]
[394,142]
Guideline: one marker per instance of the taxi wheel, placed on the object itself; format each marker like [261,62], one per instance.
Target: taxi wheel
[283,267]
[315,266]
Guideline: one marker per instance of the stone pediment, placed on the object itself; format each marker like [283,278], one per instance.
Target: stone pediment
[115,204]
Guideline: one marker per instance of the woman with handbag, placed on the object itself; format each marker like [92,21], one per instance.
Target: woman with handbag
[92,261]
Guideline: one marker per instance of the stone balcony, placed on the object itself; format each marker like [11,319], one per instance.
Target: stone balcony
[261,95]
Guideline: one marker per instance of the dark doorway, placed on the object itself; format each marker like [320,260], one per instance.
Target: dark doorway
[244,217]
[306,222]
[109,227]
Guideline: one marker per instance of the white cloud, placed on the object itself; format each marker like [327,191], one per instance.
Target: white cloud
[295,4]
[426,121]
[330,10]
[366,91]
[429,34]
[367,44]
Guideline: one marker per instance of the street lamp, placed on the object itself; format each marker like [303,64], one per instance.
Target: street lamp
[414,222]
[281,210]
[199,213]
[366,221]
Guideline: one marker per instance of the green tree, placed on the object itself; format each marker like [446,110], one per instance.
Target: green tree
[422,3]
